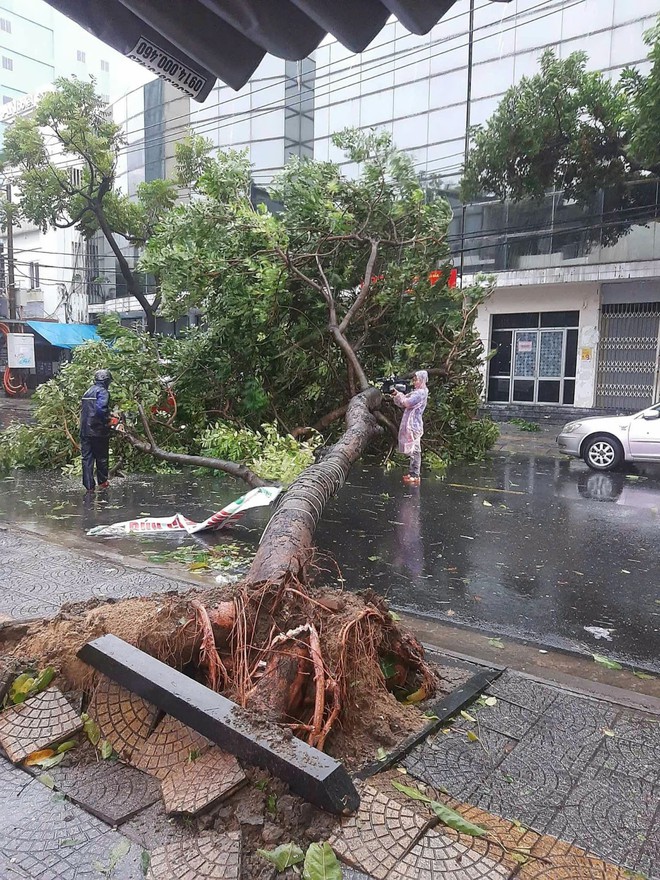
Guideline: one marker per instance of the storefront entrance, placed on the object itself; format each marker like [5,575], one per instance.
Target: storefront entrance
[535,357]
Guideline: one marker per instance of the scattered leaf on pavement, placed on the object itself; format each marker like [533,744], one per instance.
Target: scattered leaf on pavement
[34,759]
[321,863]
[446,815]
[283,856]
[606,662]
[472,736]
[496,643]
[643,675]
[467,715]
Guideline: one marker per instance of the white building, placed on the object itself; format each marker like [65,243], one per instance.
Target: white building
[576,321]
[37,45]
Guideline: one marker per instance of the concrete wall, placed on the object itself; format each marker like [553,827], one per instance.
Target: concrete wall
[547,298]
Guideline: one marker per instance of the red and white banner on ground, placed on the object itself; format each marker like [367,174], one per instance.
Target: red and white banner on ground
[261,497]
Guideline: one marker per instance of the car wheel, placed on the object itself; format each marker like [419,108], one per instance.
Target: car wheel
[603,453]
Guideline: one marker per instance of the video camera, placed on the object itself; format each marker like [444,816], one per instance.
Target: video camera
[394,383]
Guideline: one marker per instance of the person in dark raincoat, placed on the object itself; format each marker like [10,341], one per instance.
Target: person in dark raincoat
[95,431]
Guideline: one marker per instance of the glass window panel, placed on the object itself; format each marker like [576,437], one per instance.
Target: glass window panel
[560,319]
[569,391]
[523,390]
[551,353]
[492,77]
[570,363]
[525,353]
[515,321]
[549,391]
[500,363]
[498,390]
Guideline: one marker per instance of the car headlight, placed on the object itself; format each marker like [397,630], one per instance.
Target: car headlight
[571,427]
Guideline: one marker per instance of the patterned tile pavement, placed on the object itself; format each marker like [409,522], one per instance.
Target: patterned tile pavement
[197,785]
[38,723]
[582,770]
[170,745]
[45,837]
[124,719]
[72,577]
[110,790]
[208,857]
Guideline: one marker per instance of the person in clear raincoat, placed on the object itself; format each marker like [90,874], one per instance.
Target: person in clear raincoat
[411,429]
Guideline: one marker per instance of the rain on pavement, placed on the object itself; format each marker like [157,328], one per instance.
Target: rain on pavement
[519,545]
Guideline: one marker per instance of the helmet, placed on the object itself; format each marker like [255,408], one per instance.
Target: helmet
[103,377]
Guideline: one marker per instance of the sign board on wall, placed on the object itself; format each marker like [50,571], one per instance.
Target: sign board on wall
[20,351]
[525,346]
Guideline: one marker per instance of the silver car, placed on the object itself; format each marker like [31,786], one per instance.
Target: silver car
[606,442]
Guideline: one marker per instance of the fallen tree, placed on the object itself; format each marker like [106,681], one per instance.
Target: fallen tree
[317,660]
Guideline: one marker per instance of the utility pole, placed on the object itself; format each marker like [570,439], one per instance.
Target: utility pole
[11,285]
[468,109]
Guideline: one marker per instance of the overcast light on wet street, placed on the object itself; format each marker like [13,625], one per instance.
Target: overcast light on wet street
[521,545]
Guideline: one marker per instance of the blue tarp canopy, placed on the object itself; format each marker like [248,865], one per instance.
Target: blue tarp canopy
[65,335]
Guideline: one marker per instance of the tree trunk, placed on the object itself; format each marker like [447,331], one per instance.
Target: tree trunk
[287,541]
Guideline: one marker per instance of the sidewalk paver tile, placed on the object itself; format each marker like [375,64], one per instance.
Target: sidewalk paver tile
[609,814]
[579,719]
[170,745]
[436,857]
[45,837]
[634,749]
[528,694]
[207,857]
[111,791]
[197,785]
[124,718]
[452,762]
[557,860]
[352,874]
[379,835]
[508,719]
[39,722]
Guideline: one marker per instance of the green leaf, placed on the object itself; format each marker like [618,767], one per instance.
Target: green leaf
[381,754]
[454,820]
[106,749]
[145,861]
[467,716]
[490,701]
[66,746]
[643,675]
[119,851]
[43,680]
[496,643]
[321,863]
[446,815]
[283,856]
[472,736]
[47,763]
[606,662]
[47,780]
[92,729]
[395,616]
[387,667]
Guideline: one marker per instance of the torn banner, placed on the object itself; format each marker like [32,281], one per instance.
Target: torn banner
[261,497]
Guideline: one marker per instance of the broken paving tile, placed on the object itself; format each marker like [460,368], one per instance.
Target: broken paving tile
[379,835]
[111,791]
[206,857]
[124,719]
[199,784]
[39,722]
[435,856]
[170,745]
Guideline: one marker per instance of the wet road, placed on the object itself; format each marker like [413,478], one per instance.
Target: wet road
[519,545]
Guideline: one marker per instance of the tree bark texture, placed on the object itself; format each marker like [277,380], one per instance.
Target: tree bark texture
[286,543]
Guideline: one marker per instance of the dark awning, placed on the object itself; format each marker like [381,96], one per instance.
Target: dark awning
[190,43]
